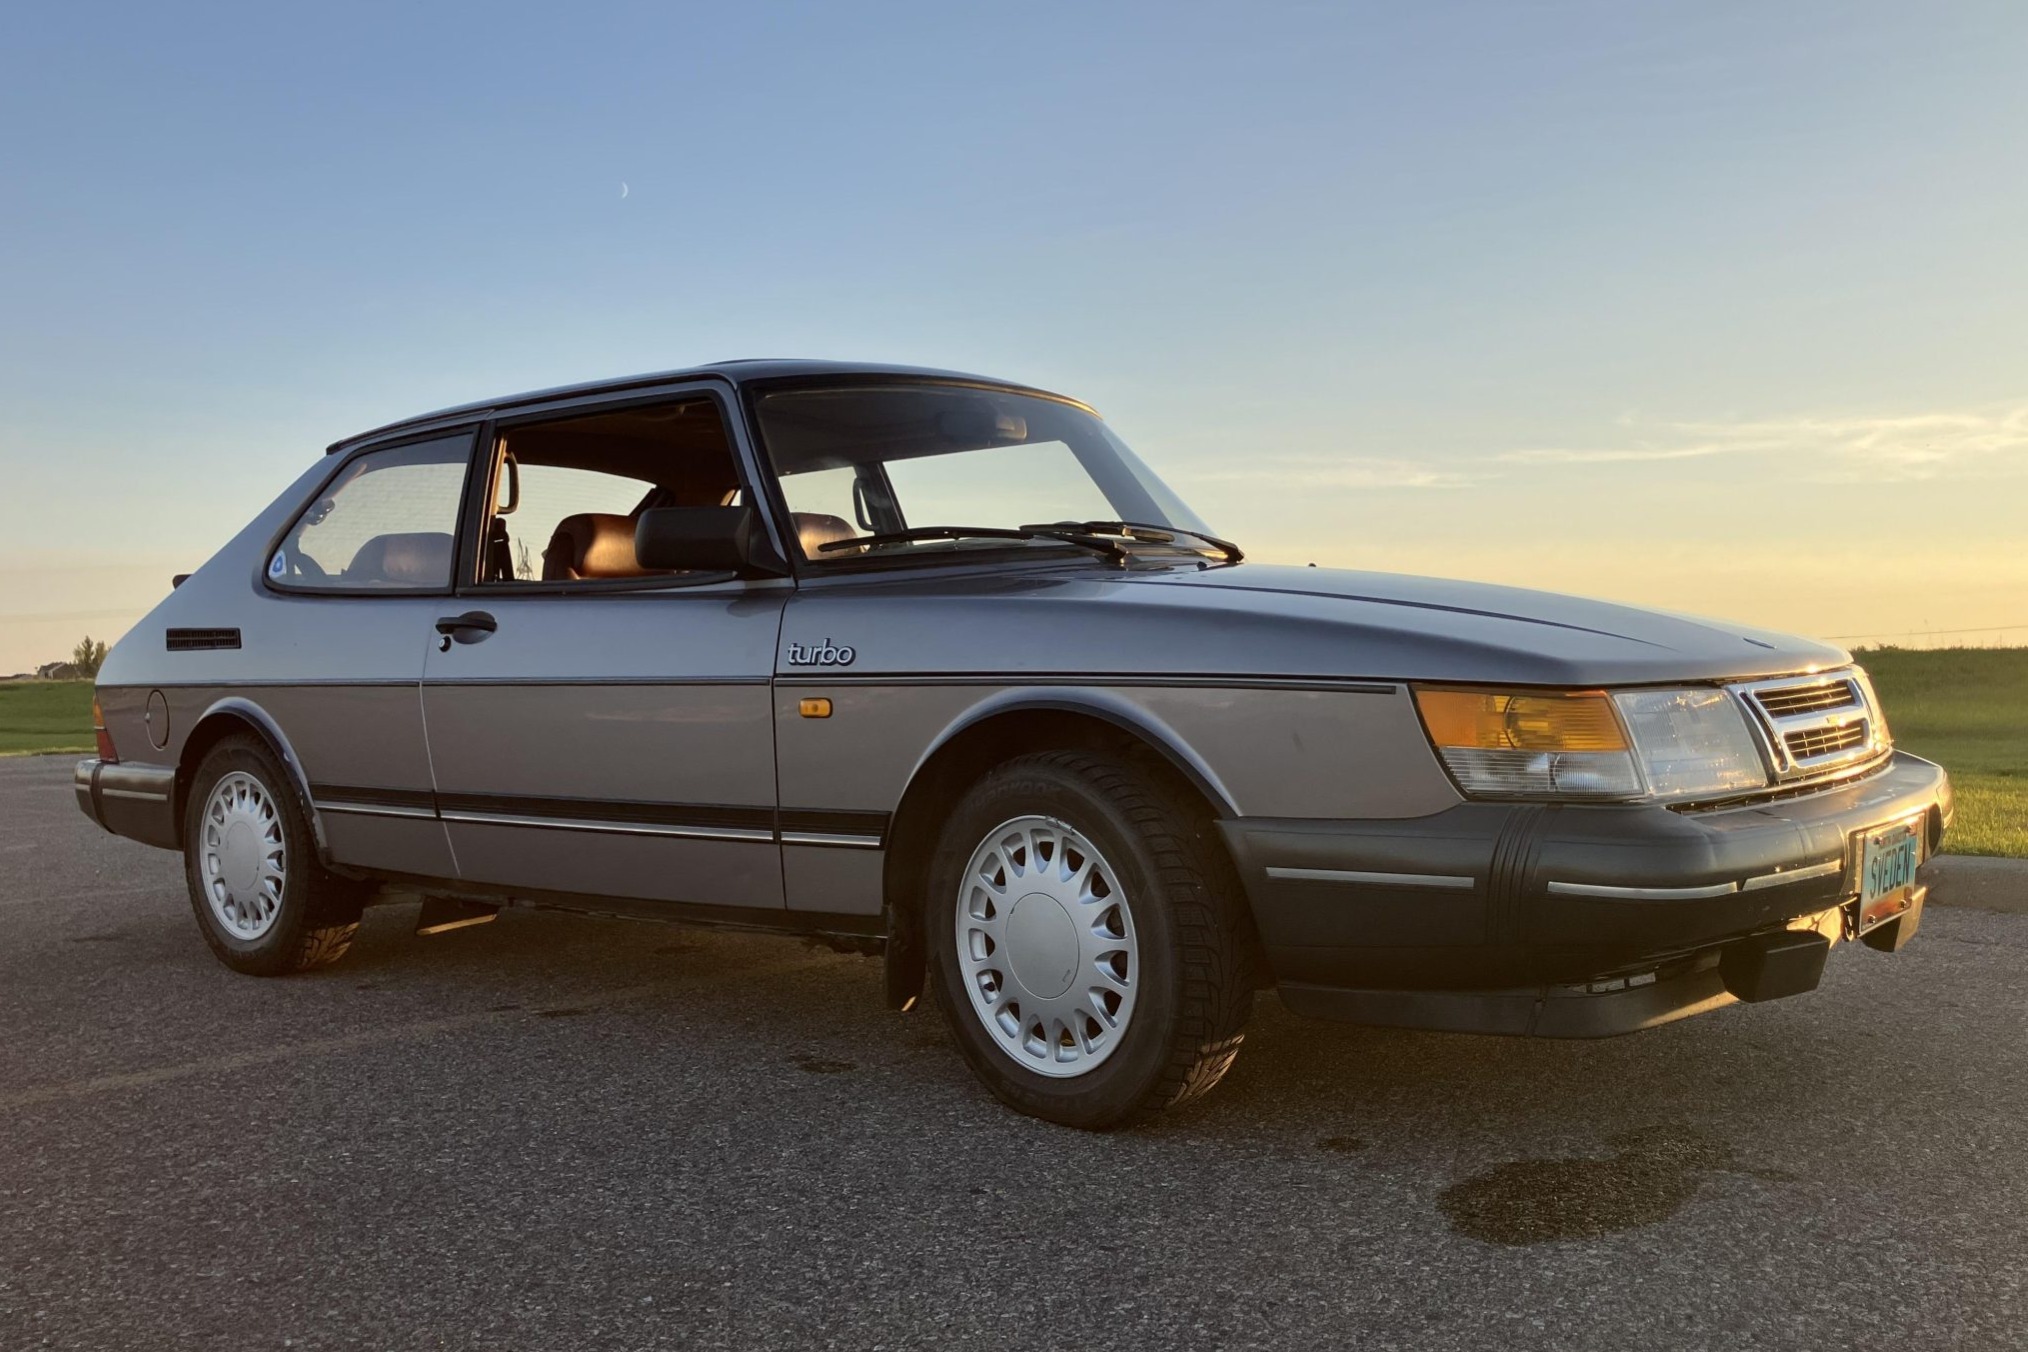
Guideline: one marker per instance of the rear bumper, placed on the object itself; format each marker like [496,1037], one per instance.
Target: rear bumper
[136,801]
[1486,916]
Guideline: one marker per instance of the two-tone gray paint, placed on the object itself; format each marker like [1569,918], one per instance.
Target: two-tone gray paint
[642,698]
[1280,691]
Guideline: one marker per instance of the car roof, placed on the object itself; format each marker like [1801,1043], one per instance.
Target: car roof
[743,370]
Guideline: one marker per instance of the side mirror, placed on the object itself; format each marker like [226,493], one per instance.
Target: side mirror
[704,539]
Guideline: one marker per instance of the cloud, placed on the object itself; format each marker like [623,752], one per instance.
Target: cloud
[1335,472]
[1912,446]
[1990,442]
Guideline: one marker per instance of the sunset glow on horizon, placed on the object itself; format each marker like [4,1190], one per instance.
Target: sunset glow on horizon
[1717,310]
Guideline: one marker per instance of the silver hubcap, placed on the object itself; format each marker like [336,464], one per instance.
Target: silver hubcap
[242,855]
[1046,947]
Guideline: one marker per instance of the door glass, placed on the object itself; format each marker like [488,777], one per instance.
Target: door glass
[568,493]
[386,523]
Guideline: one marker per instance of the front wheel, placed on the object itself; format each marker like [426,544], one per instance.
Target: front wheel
[264,903]
[1089,946]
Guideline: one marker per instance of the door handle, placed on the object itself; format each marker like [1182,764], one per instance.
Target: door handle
[470,627]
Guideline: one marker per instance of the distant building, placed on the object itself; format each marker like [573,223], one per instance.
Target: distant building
[59,671]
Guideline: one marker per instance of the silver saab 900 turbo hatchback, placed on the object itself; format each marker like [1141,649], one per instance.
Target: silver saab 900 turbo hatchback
[933,665]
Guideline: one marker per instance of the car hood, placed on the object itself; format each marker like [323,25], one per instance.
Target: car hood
[1627,642]
[1266,620]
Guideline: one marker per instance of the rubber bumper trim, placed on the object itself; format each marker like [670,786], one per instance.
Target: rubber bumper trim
[84,781]
[136,801]
[1559,893]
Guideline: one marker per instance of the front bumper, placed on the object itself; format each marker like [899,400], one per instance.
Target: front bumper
[1477,918]
[136,801]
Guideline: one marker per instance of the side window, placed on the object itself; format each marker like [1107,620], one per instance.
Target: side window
[388,522]
[567,492]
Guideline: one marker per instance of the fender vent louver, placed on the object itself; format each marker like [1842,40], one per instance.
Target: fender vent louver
[195,640]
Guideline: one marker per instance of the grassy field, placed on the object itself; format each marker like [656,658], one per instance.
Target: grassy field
[45,716]
[1964,709]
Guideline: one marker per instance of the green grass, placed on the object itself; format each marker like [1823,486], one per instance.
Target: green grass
[45,716]
[1967,710]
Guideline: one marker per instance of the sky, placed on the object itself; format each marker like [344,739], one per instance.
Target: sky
[1720,308]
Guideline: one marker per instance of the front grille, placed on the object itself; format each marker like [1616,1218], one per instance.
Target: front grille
[1788,701]
[1816,726]
[1809,745]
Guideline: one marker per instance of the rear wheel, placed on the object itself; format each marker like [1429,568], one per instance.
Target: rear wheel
[264,903]
[1088,944]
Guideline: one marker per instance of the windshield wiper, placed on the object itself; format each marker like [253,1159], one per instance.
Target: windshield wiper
[1071,534]
[1139,530]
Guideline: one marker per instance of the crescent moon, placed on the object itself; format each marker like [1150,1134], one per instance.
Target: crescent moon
[623,189]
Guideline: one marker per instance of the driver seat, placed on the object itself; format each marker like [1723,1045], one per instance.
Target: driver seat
[592,545]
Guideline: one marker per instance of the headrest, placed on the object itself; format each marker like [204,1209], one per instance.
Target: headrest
[815,528]
[408,559]
[591,545]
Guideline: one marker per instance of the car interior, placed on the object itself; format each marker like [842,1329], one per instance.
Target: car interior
[568,493]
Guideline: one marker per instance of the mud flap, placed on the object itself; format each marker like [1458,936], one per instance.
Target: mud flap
[1893,936]
[904,962]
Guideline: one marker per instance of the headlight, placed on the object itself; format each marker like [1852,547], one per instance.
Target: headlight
[1693,743]
[1587,744]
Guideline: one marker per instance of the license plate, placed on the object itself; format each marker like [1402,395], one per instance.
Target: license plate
[1887,864]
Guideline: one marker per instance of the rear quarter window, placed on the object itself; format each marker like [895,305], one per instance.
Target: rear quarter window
[387,522]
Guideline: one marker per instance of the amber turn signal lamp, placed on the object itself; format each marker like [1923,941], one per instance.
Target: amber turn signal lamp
[819,707]
[1501,720]
[99,733]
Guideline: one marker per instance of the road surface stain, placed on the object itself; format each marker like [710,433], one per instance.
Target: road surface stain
[1656,1171]
[817,1065]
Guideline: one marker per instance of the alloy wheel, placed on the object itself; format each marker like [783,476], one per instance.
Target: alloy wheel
[243,855]
[1046,947]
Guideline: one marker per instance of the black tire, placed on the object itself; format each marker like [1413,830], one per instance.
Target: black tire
[1192,931]
[319,911]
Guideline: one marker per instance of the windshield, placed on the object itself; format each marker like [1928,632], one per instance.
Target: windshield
[909,458]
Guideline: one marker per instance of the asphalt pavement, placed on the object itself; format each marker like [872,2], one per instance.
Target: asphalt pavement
[560,1132]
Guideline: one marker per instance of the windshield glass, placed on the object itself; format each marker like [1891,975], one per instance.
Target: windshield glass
[877,461]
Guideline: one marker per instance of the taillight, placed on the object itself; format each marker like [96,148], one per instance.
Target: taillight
[105,739]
